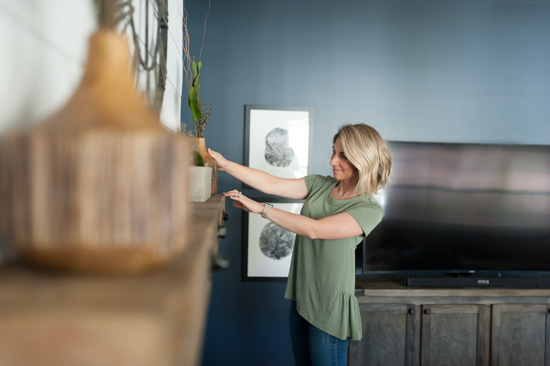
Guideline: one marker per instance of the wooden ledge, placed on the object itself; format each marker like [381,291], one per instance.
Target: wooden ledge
[154,318]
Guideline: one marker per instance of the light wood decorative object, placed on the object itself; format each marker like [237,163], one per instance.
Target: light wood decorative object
[100,186]
[209,162]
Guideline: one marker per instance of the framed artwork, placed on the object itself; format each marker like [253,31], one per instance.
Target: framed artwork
[278,140]
[267,248]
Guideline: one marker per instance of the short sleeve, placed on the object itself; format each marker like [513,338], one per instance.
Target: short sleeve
[315,182]
[368,216]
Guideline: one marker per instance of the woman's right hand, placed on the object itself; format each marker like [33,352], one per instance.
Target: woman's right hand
[221,162]
[260,180]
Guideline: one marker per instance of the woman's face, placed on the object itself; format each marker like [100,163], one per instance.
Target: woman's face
[341,166]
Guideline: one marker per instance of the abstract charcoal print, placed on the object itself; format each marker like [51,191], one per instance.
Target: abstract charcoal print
[269,247]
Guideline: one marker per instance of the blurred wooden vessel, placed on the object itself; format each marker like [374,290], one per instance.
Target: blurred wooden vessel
[100,186]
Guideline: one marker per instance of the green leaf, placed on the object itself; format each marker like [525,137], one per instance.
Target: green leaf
[193,100]
[198,159]
[194,67]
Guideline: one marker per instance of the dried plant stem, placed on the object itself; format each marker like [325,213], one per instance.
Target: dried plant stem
[187,59]
[186,52]
[204,32]
[200,125]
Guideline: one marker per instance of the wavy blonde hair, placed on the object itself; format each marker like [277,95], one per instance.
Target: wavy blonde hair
[368,152]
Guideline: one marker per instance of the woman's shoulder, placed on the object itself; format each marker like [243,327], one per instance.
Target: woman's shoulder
[371,202]
[319,180]
[365,204]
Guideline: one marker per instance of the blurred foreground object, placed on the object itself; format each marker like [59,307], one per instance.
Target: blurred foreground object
[102,185]
[156,318]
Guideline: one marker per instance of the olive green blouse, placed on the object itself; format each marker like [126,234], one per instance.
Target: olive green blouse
[322,272]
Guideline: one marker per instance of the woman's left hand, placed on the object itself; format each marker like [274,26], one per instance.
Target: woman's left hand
[241,201]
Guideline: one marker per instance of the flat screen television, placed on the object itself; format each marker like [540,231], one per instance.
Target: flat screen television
[463,214]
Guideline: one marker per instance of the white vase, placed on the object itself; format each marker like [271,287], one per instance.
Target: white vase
[200,183]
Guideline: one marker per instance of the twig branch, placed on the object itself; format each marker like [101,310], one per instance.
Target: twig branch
[186,46]
[186,52]
[204,32]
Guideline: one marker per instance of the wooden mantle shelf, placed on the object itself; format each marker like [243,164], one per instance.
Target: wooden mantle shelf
[155,318]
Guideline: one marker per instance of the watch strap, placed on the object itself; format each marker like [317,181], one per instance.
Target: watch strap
[267,206]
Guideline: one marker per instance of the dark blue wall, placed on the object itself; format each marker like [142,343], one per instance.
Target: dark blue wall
[440,70]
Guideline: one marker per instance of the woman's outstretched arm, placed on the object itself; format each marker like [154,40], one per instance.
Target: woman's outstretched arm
[338,226]
[260,180]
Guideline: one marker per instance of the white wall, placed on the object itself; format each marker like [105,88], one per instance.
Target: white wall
[43,51]
[171,106]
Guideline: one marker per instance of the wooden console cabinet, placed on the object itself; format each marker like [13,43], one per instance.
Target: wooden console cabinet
[459,327]
[155,318]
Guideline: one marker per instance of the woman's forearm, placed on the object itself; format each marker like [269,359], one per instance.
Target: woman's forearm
[298,224]
[337,226]
[254,178]
[260,180]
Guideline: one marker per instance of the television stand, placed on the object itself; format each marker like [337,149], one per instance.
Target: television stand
[478,281]
[454,326]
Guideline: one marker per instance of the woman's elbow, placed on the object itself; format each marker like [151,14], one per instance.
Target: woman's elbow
[319,230]
[313,234]
[328,234]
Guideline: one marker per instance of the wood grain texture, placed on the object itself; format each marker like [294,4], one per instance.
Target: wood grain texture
[463,326]
[388,331]
[449,335]
[101,185]
[519,335]
[151,318]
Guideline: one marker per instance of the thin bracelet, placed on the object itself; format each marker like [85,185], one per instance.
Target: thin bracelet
[267,206]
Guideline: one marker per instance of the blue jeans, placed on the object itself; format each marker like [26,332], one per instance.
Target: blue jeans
[312,346]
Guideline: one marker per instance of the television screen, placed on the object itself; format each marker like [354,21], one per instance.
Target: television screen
[463,208]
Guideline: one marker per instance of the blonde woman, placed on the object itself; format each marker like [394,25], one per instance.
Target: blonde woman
[338,213]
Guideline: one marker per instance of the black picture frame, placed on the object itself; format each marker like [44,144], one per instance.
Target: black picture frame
[279,140]
[265,256]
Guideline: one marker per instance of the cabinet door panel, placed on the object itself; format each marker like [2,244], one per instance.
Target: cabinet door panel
[388,336]
[455,335]
[519,335]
